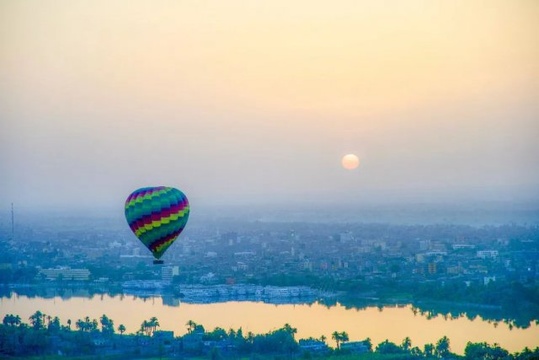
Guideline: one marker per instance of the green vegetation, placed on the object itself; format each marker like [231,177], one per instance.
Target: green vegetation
[44,337]
[339,338]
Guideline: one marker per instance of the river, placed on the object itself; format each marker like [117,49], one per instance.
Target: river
[378,323]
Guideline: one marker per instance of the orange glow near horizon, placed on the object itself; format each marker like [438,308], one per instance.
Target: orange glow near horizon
[235,84]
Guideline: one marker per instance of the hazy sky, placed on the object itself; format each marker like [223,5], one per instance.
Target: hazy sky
[256,102]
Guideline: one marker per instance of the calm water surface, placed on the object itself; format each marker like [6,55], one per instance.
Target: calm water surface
[389,322]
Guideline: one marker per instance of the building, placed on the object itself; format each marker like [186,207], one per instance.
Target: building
[168,272]
[487,254]
[313,345]
[65,274]
[356,347]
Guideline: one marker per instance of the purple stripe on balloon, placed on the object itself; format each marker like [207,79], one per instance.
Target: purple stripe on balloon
[148,219]
[153,246]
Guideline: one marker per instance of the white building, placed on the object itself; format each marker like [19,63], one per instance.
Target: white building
[487,254]
[65,274]
[168,272]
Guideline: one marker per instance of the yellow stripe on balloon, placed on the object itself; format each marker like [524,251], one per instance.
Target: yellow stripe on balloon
[162,221]
[163,245]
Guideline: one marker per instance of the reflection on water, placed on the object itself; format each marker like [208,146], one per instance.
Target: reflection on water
[516,316]
[393,322]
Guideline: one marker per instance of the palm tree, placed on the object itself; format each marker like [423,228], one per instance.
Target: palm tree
[86,324]
[111,326]
[80,324]
[147,327]
[154,323]
[344,337]
[104,320]
[239,334]
[340,337]
[54,324]
[406,344]
[93,325]
[8,320]
[289,329]
[121,329]
[191,326]
[37,319]
[16,320]
[144,327]
[107,325]
[428,350]
[368,343]
[11,320]
[442,347]
[69,323]
[337,337]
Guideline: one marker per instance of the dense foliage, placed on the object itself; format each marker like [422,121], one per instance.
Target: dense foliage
[44,335]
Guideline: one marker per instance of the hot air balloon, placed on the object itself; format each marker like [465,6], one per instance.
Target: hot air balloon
[157,215]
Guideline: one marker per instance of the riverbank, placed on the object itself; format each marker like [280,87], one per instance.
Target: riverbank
[207,294]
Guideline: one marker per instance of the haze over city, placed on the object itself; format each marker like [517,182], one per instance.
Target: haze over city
[256,103]
[351,179]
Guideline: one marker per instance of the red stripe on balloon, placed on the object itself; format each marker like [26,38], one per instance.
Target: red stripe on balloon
[148,219]
[153,246]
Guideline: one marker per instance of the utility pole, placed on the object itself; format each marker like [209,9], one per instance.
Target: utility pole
[12,222]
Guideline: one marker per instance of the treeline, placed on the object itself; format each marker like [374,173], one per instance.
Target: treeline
[501,294]
[44,335]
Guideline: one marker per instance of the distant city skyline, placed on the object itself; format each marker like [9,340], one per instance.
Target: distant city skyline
[252,104]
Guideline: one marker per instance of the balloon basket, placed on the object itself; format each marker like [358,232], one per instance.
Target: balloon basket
[158,262]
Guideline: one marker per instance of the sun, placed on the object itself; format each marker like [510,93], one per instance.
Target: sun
[350,162]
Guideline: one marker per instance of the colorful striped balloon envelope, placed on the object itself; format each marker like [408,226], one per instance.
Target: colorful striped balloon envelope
[157,216]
